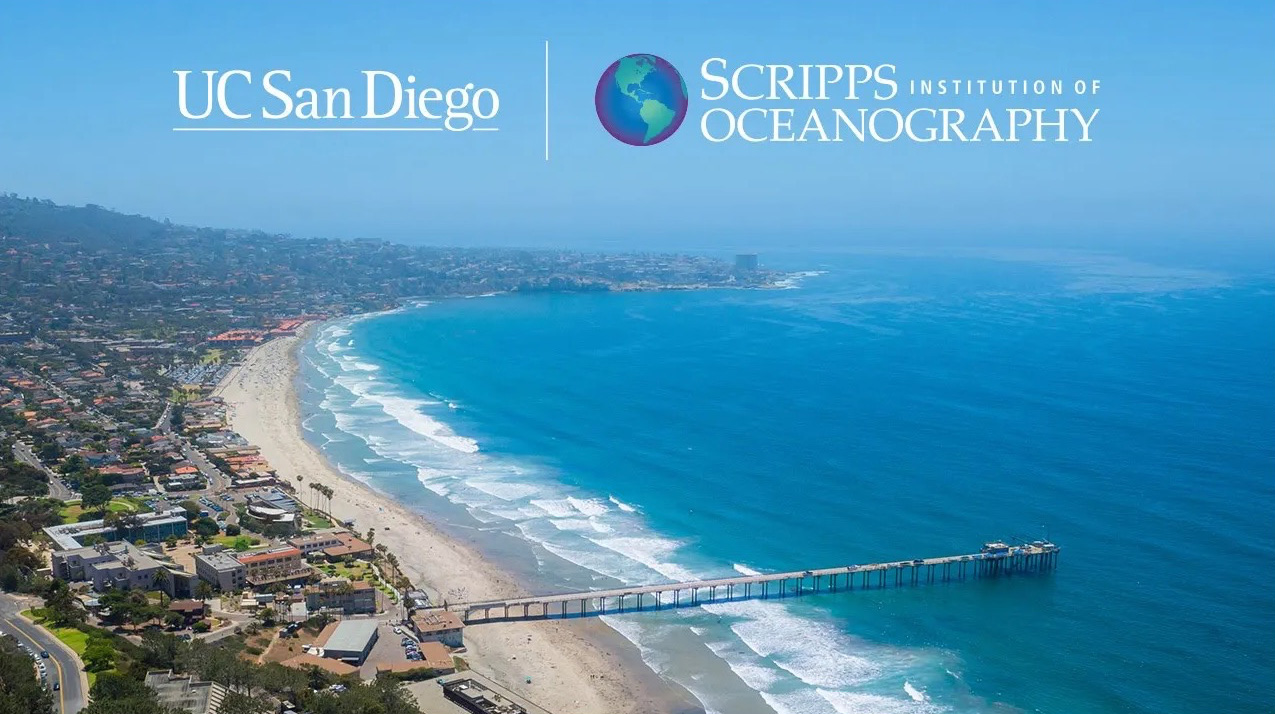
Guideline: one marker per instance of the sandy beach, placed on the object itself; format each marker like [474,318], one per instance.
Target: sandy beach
[578,667]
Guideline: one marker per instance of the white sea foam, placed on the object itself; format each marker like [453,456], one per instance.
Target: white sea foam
[814,652]
[652,551]
[505,490]
[622,505]
[752,670]
[557,508]
[588,506]
[916,694]
[745,570]
[864,703]
[407,412]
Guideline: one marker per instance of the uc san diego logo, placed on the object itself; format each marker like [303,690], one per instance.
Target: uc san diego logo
[641,99]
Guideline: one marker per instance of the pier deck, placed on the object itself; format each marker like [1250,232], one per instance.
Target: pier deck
[994,559]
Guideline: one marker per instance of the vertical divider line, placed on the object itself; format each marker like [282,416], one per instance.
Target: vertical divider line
[546,100]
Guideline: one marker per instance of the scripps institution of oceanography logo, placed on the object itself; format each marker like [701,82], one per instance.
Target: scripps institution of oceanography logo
[641,99]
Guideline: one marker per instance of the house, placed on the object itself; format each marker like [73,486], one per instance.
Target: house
[439,626]
[191,610]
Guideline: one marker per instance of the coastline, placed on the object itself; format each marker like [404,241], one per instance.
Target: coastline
[580,667]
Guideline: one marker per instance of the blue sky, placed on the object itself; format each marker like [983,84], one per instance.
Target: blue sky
[1183,148]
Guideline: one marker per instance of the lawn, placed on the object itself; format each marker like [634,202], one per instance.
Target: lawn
[235,542]
[316,521]
[350,572]
[359,571]
[71,513]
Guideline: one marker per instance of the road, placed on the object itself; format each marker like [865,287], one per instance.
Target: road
[63,664]
[57,489]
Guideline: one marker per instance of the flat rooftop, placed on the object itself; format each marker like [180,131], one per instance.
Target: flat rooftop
[351,635]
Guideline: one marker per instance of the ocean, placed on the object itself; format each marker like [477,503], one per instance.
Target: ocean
[888,406]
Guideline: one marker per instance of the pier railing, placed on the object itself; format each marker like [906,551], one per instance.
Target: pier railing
[993,560]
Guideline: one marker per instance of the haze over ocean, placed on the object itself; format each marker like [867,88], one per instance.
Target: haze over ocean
[894,406]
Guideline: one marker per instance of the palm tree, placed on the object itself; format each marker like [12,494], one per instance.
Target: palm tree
[300,480]
[203,591]
[160,583]
[328,493]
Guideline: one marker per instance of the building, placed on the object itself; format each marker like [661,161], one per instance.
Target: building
[471,696]
[436,657]
[272,507]
[439,626]
[349,641]
[746,263]
[416,600]
[348,545]
[281,564]
[348,597]
[120,565]
[150,527]
[220,569]
[191,610]
[181,691]
[314,543]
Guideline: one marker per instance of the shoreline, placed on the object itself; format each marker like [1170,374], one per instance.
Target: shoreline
[580,667]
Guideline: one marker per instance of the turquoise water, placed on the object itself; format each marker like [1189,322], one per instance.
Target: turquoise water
[890,407]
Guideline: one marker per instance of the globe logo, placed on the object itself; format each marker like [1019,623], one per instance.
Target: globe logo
[641,100]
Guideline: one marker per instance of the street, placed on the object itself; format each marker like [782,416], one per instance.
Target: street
[63,665]
[57,489]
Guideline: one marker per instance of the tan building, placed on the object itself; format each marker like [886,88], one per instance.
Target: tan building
[439,626]
[349,545]
[280,564]
[350,597]
[314,543]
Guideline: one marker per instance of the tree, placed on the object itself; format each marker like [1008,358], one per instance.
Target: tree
[206,527]
[203,591]
[95,497]
[20,691]
[160,651]
[174,620]
[98,656]
[191,508]
[239,703]
[62,607]
[114,693]
[232,529]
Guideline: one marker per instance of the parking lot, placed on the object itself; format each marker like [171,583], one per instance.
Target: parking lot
[391,648]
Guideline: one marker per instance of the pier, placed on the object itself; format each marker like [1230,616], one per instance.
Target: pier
[993,560]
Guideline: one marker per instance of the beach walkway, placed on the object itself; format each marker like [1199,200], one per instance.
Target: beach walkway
[994,559]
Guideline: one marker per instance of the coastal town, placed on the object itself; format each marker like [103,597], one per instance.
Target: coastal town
[154,555]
